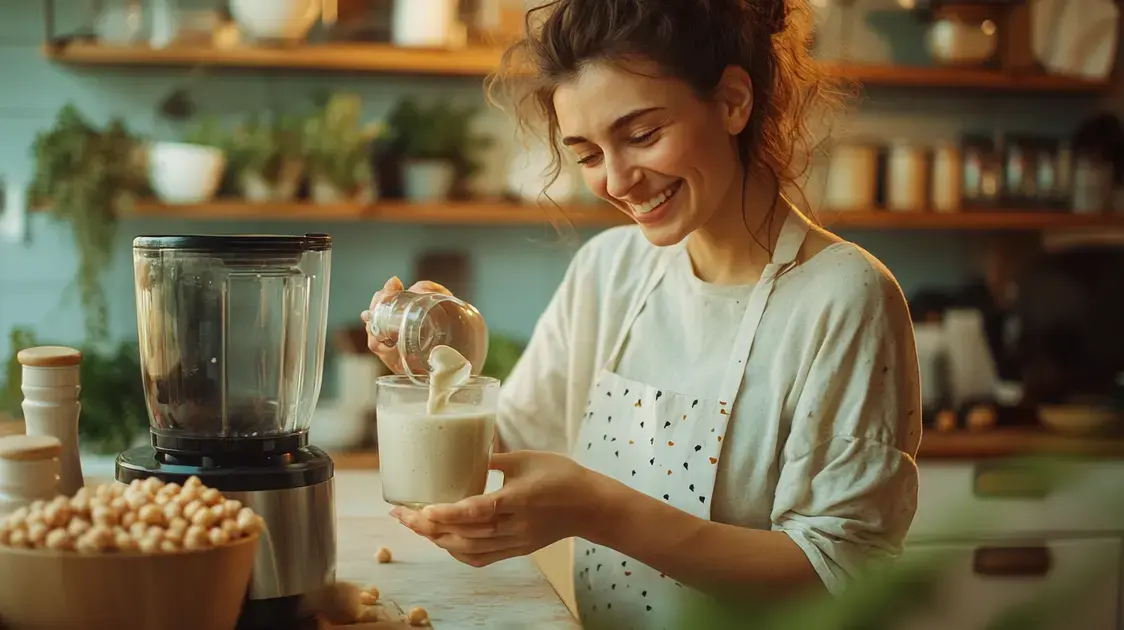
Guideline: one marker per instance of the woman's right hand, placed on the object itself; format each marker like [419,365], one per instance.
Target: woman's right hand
[389,355]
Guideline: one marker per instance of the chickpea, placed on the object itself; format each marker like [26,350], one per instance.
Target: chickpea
[187,495]
[82,493]
[103,515]
[34,517]
[36,506]
[151,514]
[190,509]
[367,599]
[172,511]
[18,538]
[249,522]
[369,614]
[138,529]
[105,491]
[154,531]
[203,518]
[153,485]
[123,541]
[196,538]
[418,616]
[101,534]
[5,534]
[120,505]
[219,511]
[18,517]
[230,526]
[178,524]
[193,482]
[161,500]
[218,537]
[148,545]
[174,535]
[56,515]
[171,489]
[383,555]
[231,508]
[168,546]
[80,504]
[77,526]
[87,545]
[136,499]
[59,540]
[211,496]
[128,518]
[37,534]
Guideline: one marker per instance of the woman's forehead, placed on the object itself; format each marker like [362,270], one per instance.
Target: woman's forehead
[601,93]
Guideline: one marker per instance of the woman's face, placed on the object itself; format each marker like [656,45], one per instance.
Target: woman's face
[652,148]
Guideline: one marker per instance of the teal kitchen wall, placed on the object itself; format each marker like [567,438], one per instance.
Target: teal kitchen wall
[514,270]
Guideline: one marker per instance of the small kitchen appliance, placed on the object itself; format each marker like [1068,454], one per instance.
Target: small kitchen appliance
[232,335]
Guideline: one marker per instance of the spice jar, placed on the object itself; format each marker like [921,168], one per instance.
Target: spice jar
[29,470]
[51,384]
[907,177]
[415,323]
[948,176]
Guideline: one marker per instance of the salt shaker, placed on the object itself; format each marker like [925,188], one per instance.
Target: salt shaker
[29,470]
[51,407]
[416,322]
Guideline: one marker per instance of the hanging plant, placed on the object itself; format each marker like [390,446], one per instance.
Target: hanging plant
[86,177]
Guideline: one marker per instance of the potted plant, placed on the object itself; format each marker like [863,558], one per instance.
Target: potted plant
[266,159]
[86,177]
[337,152]
[436,146]
[191,171]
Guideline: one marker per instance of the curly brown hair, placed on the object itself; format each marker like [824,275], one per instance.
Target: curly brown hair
[692,40]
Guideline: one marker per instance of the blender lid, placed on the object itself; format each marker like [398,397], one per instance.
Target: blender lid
[237,243]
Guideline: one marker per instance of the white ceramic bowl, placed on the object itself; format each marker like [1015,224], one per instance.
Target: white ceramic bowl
[182,173]
[276,19]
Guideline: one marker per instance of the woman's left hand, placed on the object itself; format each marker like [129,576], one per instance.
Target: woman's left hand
[545,497]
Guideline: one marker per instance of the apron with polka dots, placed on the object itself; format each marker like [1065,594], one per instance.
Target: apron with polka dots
[666,445]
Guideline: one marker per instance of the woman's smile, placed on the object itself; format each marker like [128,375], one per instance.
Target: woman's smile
[655,209]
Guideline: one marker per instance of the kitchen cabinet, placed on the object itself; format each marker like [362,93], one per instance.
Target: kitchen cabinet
[1006,537]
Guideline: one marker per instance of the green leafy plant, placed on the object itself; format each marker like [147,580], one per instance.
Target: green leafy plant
[503,354]
[264,147]
[86,176]
[337,145]
[440,131]
[113,414]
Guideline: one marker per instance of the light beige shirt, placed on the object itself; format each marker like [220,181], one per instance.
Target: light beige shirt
[827,423]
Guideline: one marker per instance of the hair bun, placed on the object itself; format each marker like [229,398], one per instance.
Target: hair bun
[776,15]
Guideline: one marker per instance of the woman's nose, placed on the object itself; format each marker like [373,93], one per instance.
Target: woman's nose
[620,177]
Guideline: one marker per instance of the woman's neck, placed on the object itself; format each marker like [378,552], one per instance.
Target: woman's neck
[724,250]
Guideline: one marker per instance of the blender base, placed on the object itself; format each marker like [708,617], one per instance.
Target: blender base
[296,556]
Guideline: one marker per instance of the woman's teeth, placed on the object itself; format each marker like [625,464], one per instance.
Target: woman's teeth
[655,202]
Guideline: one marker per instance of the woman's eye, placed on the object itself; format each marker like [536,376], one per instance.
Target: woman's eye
[643,138]
[589,159]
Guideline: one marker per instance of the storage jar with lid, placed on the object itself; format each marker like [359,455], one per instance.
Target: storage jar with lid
[415,323]
[29,470]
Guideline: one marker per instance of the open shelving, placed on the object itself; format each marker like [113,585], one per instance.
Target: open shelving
[479,61]
[467,213]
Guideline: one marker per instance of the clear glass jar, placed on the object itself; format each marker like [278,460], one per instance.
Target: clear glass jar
[415,323]
[434,458]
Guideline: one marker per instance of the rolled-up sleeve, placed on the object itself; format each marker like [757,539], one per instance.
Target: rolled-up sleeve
[847,489]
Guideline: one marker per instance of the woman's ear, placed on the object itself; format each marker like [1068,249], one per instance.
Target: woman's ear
[734,95]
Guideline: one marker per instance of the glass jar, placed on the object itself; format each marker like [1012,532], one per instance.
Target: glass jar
[29,470]
[434,458]
[415,323]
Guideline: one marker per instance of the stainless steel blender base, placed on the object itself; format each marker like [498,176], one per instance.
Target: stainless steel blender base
[297,554]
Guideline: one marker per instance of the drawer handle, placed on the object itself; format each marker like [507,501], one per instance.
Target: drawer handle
[1012,561]
[1006,481]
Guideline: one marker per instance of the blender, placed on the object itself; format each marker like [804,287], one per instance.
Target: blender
[232,334]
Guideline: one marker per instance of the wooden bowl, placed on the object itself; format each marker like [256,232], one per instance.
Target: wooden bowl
[66,590]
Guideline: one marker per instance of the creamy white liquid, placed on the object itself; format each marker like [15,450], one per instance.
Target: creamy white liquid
[429,458]
[448,370]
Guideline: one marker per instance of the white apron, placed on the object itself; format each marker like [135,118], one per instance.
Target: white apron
[666,445]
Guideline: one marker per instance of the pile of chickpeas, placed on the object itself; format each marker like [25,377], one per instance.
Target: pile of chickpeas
[147,515]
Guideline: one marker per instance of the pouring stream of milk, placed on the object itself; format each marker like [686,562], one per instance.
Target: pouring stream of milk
[448,371]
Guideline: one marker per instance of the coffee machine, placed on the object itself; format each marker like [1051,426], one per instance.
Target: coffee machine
[232,336]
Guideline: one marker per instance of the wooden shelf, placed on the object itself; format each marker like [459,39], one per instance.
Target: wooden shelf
[1015,442]
[962,78]
[377,58]
[478,62]
[505,213]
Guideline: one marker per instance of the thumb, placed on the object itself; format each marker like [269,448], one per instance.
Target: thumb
[392,284]
[507,463]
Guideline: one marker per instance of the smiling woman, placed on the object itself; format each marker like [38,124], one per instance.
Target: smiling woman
[722,398]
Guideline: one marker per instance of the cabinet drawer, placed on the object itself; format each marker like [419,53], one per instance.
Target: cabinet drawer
[984,498]
[1080,579]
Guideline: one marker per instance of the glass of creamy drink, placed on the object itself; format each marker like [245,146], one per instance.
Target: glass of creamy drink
[434,449]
